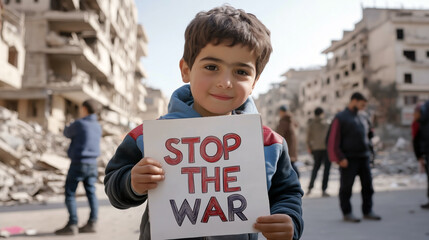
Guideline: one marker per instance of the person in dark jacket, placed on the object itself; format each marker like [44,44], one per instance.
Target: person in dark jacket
[226,50]
[423,145]
[85,134]
[317,129]
[286,129]
[349,145]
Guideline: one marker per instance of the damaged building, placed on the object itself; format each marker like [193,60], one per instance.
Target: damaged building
[53,56]
[385,56]
[74,50]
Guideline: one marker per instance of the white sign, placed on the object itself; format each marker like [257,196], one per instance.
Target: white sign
[215,181]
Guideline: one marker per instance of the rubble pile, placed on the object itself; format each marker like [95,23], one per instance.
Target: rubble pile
[34,163]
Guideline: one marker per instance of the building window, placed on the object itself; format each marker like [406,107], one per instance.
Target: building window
[32,109]
[400,34]
[13,56]
[353,67]
[346,73]
[323,99]
[365,81]
[408,78]
[427,54]
[337,76]
[410,55]
[328,80]
[410,100]
[337,94]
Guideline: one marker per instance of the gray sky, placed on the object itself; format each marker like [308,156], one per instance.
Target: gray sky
[300,31]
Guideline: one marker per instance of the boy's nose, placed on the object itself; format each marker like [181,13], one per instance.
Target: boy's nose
[224,81]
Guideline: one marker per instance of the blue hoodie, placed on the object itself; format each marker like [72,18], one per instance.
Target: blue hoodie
[85,135]
[284,189]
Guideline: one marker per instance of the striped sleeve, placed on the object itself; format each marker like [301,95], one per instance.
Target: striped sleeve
[334,151]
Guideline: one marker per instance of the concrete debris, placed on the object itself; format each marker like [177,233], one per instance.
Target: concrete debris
[34,163]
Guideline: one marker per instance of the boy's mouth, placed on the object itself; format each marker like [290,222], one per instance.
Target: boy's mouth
[221,97]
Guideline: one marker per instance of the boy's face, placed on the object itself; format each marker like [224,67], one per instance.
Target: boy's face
[221,79]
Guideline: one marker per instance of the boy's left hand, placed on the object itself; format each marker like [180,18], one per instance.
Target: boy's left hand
[277,226]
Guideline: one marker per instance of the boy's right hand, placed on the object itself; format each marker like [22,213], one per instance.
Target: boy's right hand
[146,174]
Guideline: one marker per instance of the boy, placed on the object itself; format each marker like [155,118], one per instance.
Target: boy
[225,52]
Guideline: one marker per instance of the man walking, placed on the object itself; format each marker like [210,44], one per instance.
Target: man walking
[286,129]
[317,129]
[85,135]
[349,145]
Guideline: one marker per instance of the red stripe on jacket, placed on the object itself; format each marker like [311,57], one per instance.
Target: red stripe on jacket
[271,137]
[136,132]
[334,151]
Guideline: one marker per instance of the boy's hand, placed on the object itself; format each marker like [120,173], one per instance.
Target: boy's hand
[146,174]
[277,226]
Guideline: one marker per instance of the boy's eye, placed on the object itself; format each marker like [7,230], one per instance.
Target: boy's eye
[242,72]
[211,67]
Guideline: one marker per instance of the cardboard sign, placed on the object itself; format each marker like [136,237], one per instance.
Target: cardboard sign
[215,181]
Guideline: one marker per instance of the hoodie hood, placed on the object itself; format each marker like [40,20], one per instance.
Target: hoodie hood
[182,101]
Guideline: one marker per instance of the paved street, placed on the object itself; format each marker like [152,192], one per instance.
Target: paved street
[402,217]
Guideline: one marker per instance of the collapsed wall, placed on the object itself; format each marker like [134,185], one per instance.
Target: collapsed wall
[34,163]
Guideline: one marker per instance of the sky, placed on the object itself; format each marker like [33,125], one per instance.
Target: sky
[300,31]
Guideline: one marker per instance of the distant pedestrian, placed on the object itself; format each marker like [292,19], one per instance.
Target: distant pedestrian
[85,134]
[349,145]
[286,129]
[317,129]
[423,146]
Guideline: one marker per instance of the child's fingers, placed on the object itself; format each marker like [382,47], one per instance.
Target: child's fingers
[275,236]
[149,161]
[147,169]
[275,218]
[148,178]
[270,227]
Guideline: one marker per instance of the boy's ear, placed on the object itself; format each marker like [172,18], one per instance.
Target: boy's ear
[184,70]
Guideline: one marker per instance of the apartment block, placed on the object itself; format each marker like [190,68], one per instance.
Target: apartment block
[12,52]
[287,92]
[386,56]
[75,50]
[156,104]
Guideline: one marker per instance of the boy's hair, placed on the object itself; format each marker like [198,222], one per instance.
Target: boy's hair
[92,106]
[228,25]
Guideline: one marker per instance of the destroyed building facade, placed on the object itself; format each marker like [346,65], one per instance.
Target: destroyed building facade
[385,56]
[74,50]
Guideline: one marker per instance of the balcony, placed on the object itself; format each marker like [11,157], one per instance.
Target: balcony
[413,87]
[75,21]
[140,71]
[417,40]
[77,87]
[95,56]
[415,19]
[10,77]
